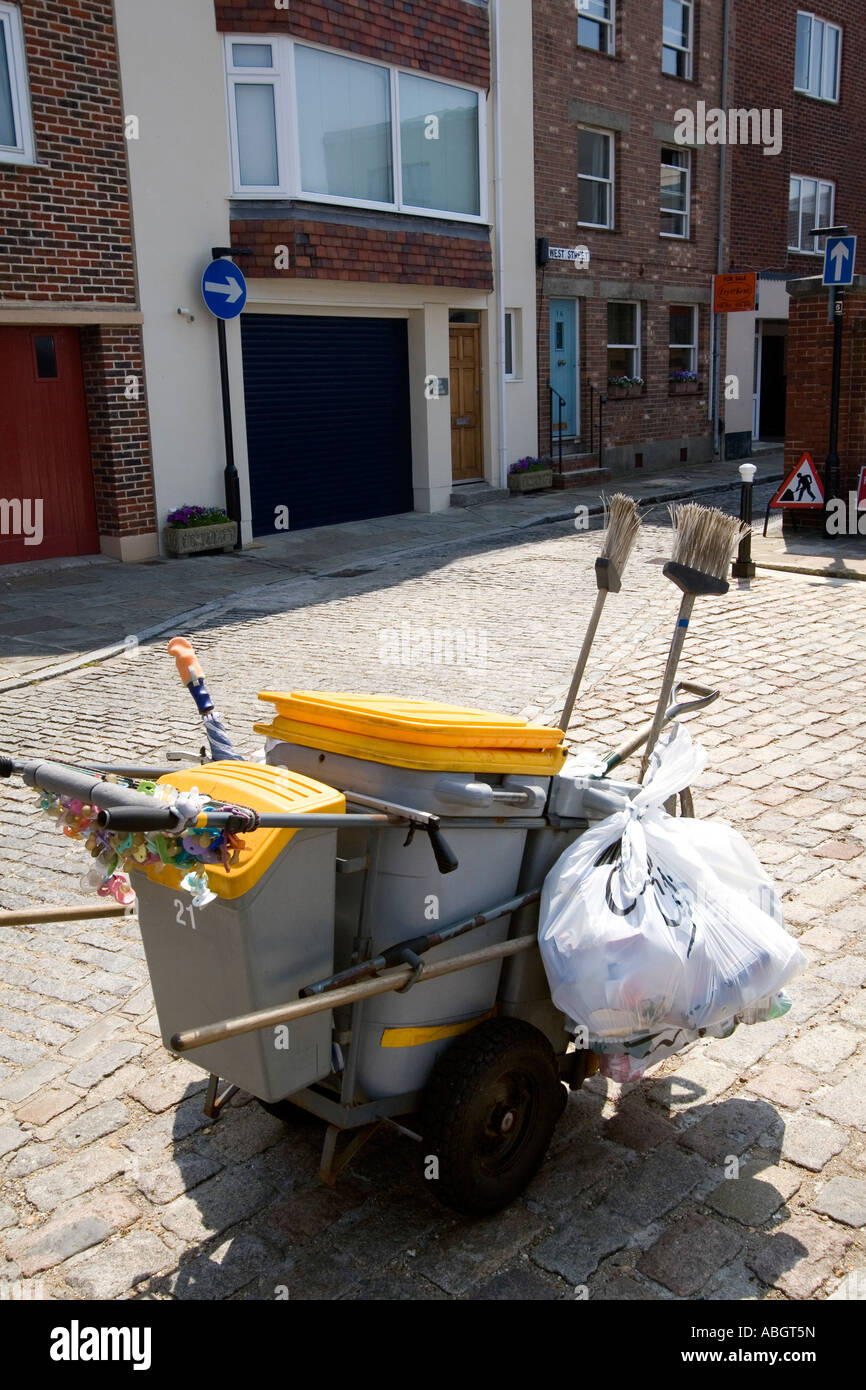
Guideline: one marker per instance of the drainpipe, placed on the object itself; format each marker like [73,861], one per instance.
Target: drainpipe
[720,251]
[500,253]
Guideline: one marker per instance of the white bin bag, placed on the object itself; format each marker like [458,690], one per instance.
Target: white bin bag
[653,923]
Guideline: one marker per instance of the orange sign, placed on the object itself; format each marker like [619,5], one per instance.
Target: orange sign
[733,294]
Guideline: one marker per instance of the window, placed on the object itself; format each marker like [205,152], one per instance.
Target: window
[677,38]
[810,204]
[16,130]
[439,145]
[513,345]
[623,340]
[683,340]
[675,192]
[595,24]
[819,53]
[313,123]
[594,178]
[46,358]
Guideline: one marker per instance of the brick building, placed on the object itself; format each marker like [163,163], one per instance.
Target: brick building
[75,449]
[810,379]
[352,151]
[612,176]
[807,66]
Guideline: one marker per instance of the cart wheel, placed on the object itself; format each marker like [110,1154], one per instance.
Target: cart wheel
[490,1110]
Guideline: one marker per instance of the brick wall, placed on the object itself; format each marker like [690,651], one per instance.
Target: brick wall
[65,231]
[820,139]
[119,435]
[810,366]
[323,251]
[448,38]
[632,85]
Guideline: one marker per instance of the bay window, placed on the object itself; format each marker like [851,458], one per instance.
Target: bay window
[309,122]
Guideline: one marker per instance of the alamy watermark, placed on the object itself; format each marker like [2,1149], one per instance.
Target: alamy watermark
[438,646]
[735,127]
[22,516]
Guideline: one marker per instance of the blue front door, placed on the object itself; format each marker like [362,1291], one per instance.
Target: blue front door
[563,366]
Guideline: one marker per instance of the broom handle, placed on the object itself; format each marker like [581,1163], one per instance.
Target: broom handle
[583,659]
[679,637]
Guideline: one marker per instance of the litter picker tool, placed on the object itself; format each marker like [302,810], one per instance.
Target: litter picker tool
[704,543]
[190,671]
[623,524]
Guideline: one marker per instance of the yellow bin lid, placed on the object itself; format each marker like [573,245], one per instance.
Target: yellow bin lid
[418,734]
[262,788]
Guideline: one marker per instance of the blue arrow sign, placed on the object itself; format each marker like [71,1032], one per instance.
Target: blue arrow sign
[224,289]
[839,260]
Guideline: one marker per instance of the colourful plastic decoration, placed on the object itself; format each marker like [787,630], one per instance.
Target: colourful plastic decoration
[114,852]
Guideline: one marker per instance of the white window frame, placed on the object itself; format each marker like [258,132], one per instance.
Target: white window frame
[24,152]
[581,7]
[671,212]
[514,338]
[819,184]
[690,347]
[678,48]
[282,77]
[610,183]
[634,347]
[809,89]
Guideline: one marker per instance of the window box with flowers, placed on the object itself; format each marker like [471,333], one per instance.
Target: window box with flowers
[620,388]
[192,530]
[684,384]
[530,475]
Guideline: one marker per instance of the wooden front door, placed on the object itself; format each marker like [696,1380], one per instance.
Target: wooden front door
[467,447]
[47,507]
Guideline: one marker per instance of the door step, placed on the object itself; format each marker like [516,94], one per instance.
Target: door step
[476,494]
[581,477]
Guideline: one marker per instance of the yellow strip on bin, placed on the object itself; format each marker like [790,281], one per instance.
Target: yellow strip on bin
[417,1037]
[265,789]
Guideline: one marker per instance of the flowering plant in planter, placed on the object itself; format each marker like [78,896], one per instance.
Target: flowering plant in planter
[527,465]
[196,530]
[625,382]
[530,475]
[197,516]
[684,376]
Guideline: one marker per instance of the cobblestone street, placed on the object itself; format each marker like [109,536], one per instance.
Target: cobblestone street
[113,1184]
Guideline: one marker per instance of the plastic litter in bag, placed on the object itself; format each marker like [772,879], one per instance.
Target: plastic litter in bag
[656,929]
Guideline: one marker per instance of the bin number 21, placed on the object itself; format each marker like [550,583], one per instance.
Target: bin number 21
[182,908]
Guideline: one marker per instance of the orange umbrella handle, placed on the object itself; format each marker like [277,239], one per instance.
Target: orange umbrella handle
[188,665]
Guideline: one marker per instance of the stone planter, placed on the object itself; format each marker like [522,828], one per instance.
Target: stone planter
[684,388]
[623,393]
[530,482]
[193,540]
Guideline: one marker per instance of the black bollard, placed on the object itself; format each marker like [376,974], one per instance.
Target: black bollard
[743,567]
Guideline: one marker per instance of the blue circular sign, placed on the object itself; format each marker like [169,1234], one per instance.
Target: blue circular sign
[224,289]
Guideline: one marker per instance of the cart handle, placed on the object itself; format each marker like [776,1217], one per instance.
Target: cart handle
[704,696]
[121,808]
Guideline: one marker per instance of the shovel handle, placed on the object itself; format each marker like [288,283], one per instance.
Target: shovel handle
[188,665]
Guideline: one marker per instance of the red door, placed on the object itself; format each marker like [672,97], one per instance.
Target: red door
[46,483]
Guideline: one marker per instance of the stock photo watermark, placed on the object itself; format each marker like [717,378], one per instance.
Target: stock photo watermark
[440,646]
[738,126]
[22,516]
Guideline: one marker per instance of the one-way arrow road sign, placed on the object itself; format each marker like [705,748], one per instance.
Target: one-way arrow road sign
[224,289]
[839,260]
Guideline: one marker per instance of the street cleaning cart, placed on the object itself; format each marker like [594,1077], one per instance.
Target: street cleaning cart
[352,926]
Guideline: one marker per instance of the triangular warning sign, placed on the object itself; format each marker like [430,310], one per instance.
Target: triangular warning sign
[802,489]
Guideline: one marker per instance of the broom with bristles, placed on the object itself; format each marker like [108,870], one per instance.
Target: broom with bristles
[704,543]
[623,524]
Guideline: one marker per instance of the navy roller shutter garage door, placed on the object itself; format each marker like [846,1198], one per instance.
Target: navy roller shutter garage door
[327,410]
